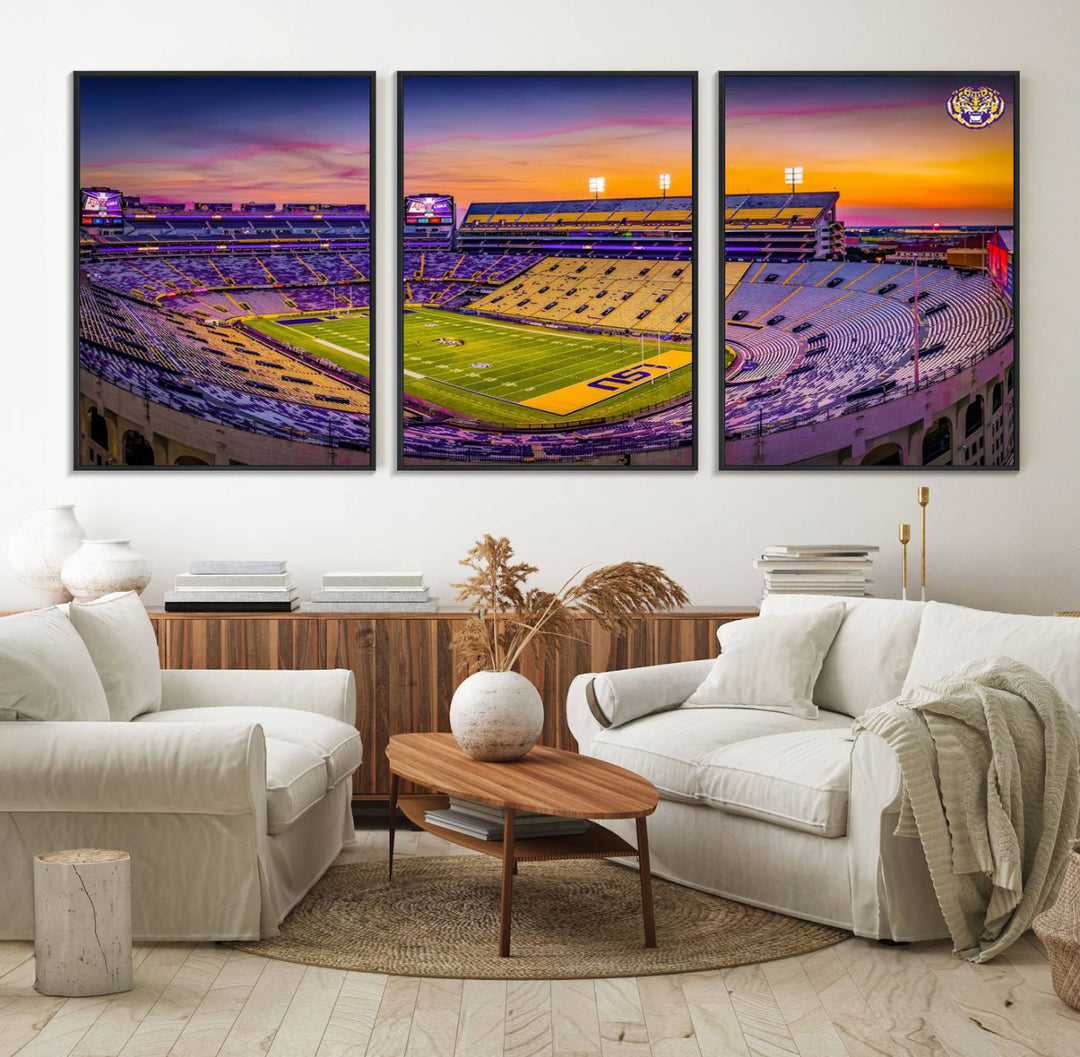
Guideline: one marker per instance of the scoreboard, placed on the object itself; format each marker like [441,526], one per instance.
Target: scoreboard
[429,220]
[429,211]
[100,207]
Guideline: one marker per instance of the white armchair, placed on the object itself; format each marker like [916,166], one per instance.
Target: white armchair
[232,799]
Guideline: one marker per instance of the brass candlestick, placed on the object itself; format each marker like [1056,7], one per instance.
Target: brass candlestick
[923,496]
[904,535]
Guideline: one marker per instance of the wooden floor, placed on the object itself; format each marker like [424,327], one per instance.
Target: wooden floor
[857,999]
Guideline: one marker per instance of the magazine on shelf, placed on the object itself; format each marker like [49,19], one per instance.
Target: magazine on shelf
[489,829]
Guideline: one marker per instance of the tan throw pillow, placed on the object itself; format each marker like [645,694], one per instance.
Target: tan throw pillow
[45,670]
[121,641]
[770,663]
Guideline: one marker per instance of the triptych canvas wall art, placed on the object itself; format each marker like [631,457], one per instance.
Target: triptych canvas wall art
[869,270]
[547,270]
[547,251]
[224,227]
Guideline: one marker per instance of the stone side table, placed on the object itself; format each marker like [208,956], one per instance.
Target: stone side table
[82,922]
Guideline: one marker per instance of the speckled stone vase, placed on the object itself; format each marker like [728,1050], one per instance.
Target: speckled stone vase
[496,715]
[100,567]
[37,551]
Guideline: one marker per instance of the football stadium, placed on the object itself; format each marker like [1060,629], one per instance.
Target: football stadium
[550,331]
[221,333]
[546,330]
[861,332]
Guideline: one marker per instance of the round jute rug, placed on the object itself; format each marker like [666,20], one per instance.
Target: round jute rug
[575,918]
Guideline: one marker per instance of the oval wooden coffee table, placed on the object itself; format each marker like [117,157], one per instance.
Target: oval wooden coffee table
[548,781]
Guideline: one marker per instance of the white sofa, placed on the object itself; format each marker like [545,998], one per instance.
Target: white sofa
[792,814]
[232,795]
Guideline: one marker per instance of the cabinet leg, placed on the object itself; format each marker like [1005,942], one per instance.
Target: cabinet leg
[644,871]
[506,896]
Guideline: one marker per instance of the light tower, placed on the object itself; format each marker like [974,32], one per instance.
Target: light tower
[665,183]
[793,175]
[596,186]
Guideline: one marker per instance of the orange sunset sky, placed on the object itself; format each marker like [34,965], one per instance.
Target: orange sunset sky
[884,142]
[521,138]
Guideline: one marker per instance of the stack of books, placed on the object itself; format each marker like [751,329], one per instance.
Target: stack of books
[486,822]
[817,569]
[371,593]
[234,587]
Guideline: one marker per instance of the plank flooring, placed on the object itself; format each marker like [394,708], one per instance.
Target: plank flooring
[856,999]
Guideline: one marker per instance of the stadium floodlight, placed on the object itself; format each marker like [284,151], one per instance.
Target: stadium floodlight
[596,186]
[793,175]
[665,183]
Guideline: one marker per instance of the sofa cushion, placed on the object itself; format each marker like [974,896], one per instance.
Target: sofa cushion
[121,642]
[869,658]
[799,780]
[45,670]
[953,635]
[770,662]
[295,780]
[336,743]
[668,748]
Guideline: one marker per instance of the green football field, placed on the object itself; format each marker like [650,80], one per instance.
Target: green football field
[501,364]
[345,341]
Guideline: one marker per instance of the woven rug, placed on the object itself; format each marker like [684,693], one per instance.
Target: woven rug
[574,918]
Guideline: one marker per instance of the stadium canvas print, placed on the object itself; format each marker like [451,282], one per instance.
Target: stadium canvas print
[870,270]
[547,274]
[224,270]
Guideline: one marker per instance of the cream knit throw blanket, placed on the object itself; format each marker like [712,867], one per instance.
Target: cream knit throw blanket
[990,761]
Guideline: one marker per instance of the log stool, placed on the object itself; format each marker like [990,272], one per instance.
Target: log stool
[1059,929]
[82,922]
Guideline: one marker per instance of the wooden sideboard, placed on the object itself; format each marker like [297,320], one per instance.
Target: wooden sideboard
[406,668]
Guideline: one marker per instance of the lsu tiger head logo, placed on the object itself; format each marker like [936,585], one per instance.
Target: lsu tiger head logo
[975,107]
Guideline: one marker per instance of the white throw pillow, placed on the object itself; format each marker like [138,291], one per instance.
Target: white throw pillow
[770,663]
[45,670]
[121,641]
[869,657]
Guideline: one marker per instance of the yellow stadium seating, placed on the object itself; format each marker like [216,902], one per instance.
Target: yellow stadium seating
[599,292]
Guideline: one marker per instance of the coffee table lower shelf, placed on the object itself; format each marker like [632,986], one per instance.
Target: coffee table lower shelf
[596,842]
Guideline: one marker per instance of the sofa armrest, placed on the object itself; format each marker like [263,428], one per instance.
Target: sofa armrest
[892,896]
[330,692]
[187,768]
[596,701]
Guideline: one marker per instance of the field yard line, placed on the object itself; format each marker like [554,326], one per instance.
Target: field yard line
[534,328]
[412,374]
[341,348]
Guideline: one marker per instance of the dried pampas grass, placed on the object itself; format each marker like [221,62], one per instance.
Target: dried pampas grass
[508,615]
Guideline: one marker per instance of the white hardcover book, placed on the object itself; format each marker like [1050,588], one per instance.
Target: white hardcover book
[373,579]
[228,595]
[370,607]
[257,567]
[246,582]
[364,594]
[821,548]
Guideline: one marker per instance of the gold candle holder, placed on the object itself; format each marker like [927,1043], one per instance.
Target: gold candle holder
[904,535]
[923,497]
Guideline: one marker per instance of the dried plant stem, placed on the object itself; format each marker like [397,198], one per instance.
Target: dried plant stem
[612,595]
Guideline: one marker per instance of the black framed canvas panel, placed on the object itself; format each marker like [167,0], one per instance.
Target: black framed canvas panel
[870,270]
[546,253]
[224,270]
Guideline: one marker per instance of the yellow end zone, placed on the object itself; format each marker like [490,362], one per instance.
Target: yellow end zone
[582,394]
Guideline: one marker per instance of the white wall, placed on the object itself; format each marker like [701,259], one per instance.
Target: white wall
[996,540]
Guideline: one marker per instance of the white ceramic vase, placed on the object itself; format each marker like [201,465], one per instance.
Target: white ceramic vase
[37,551]
[496,715]
[100,567]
